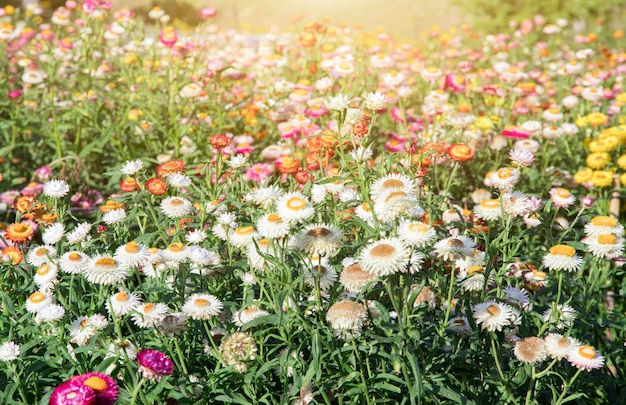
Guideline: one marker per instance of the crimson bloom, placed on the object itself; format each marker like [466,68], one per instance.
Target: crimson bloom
[153,364]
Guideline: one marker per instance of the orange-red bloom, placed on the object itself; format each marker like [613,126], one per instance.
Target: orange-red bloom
[173,166]
[110,205]
[156,186]
[19,232]
[460,152]
[129,185]
[14,253]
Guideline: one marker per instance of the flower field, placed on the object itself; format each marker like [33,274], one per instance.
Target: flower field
[206,216]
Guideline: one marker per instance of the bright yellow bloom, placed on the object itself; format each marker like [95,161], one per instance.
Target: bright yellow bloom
[598,160]
[581,122]
[583,175]
[621,161]
[596,118]
[483,123]
[601,178]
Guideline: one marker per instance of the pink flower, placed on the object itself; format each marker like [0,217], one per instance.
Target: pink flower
[208,12]
[13,94]
[103,385]
[72,393]
[258,172]
[154,365]
[514,133]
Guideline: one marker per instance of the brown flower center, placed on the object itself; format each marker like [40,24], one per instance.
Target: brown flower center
[493,310]
[319,232]
[383,250]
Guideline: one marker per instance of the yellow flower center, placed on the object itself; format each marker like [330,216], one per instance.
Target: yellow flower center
[604,221]
[607,239]
[176,202]
[504,173]
[41,252]
[395,194]
[366,207]
[563,250]
[176,247]
[490,204]
[296,203]
[149,308]
[383,250]
[587,352]
[97,383]
[244,231]
[273,218]
[37,297]
[474,269]
[563,193]
[539,275]
[263,243]
[418,227]
[493,310]
[106,262]
[20,228]
[201,302]
[393,183]
[74,257]
[121,297]
[43,269]
[132,247]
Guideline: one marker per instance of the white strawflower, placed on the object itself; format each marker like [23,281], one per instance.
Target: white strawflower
[51,313]
[361,154]
[237,161]
[132,167]
[178,180]
[56,188]
[53,233]
[196,236]
[375,101]
[114,216]
[176,207]
[338,103]
[79,233]
[9,351]
[202,306]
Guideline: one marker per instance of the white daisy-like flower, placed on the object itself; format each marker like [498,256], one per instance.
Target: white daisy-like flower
[79,234]
[425,296]
[196,236]
[45,274]
[132,254]
[178,180]
[364,212]
[562,257]
[474,279]
[114,216]
[175,253]
[202,306]
[9,351]
[73,262]
[561,318]
[176,207]
[605,245]
[294,207]
[131,167]
[38,300]
[454,247]
[561,197]
[385,256]
[320,271]
[318,193]
[49,314]
[320,239]
[221,232]
[340,102]
[227,219]
[246,315]
[122,350]
[122,303]
[242,236]
[375,101]
[86,327]
[521,157]
[391,204]
[392,182]
[504,178]
[361,154]
[264,197]
[516,203]
[488,210]
[149,315]
[237,161]
[558,346]
[347,318]
[53,233]
[585,357]
[104,269]
[173,323]
[259,251]
[272,226]
[530,350]
[39,255]
[603,224]
[476,258]
[56,188]
[354,278]
[415,262]
[493,315]
[348,195]
[518,297]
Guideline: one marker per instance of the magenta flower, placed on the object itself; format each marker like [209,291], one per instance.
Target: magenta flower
[153,364]
[73,393]
[103,385]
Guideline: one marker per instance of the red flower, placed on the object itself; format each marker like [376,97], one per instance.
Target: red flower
[129,185]
[153,364]
[156,186]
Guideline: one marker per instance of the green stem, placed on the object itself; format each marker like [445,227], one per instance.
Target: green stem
[136,391]
[567,386]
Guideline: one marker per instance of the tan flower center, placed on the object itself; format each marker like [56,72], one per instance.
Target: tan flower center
[563,250]
[43,269]
[418,227]
[176,247]
[319,232]
[383,250]
[274,218]
[201,302]
[490,204]
[121,297]
[395,194]
[563,342]
[563,193]
[176,202]
[587,352]
[393,183]
[455,243]
[493,310]
[74,257]
[106,262]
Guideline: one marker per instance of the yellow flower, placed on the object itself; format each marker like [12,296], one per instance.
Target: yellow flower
[621,161]
[583,175]
[9,10]
[596,118]
[622,179]
[601,178]
[598,160]
[581,122]
[134,114]
[603,145]
[483,123]
[621,97]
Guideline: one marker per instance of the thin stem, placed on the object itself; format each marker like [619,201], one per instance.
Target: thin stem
[567,386]
[136,391]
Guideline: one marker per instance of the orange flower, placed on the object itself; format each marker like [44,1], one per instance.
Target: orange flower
[23,203]
[219,141]
[129,185]
[460,152]
[110,205]
[45,218]
[19,232]
[174,166]
[156,186]
[287,164]
[14,253]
